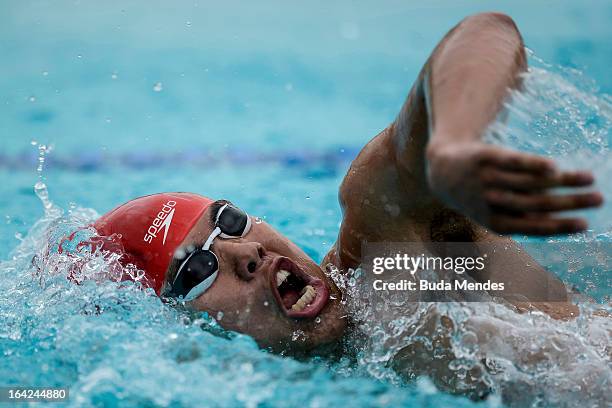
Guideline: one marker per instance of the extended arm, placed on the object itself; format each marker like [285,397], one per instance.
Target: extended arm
[432,156]
[465,84]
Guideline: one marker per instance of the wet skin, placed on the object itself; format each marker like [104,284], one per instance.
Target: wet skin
[244,289]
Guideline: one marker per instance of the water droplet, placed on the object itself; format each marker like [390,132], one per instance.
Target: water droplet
[107,120]
[266,303]
[188,24]
[298,335]
[114,75]
[318,320]
[32,98]
[45,73]
[180,253]
[288,87]
[258,220]
[33,142]
[308,197]
[158,87]
[219,316]
[173,336]
[79,56]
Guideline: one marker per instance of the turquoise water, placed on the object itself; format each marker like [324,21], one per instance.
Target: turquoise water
[264,105]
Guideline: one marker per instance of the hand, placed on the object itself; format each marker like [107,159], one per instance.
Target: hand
[506,190]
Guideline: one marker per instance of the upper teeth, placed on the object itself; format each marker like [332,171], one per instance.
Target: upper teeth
[281,276]
[308,295]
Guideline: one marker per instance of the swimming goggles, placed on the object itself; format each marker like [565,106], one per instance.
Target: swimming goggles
[201,267]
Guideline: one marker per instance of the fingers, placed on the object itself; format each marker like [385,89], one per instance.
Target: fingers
[574,179]
[530,213]
[526,203]
[537,226]
[515,188]
[517,161]
[522,181]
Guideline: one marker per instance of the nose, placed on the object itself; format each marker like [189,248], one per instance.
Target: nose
[245,256]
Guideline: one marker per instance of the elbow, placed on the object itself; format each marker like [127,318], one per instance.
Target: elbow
[499,26]
[493,19]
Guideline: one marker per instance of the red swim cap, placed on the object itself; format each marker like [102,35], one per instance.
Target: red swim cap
[151,228]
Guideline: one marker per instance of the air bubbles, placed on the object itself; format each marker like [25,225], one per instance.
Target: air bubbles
[45,73]
[219,316]
[288,87]
[298,335]
[32,98]
[114,75]
[188,24]
[158,87]
[258,220]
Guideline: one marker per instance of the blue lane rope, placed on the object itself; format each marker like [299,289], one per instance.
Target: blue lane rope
[98,160]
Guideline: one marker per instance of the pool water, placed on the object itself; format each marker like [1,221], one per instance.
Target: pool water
[265,105]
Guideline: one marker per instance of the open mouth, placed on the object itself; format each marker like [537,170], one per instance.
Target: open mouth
[298,295]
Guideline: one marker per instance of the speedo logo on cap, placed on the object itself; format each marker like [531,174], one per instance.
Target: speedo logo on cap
[162,220]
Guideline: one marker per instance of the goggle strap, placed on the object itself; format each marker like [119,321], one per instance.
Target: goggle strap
[211,238]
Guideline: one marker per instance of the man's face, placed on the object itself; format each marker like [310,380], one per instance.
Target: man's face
[269,289]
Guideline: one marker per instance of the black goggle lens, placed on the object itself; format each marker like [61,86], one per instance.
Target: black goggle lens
[200,266]
[232,221]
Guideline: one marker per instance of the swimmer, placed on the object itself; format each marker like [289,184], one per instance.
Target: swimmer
[431,165]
